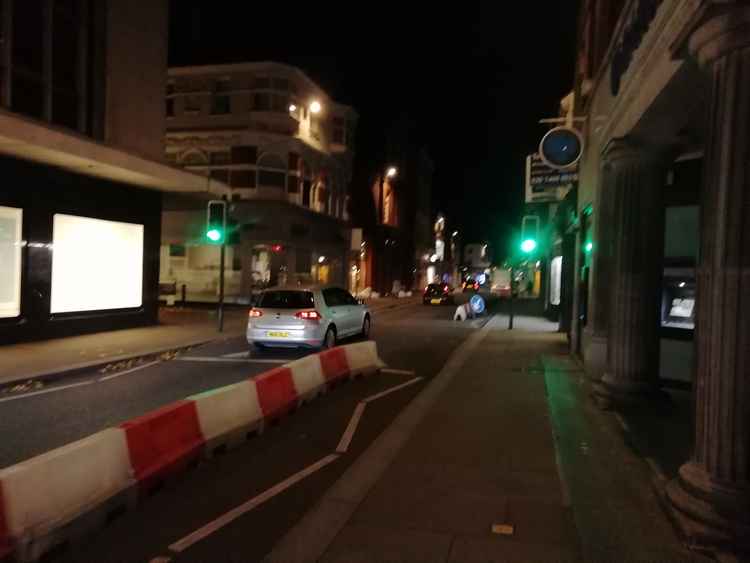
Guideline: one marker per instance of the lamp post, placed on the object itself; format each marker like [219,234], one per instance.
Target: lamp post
[390,172]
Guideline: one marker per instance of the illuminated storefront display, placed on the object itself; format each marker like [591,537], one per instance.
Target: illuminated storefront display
[96,264]
[10,258]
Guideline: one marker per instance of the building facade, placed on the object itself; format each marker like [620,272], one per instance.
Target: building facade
[395,210]
[663,197]
[83,169]
[285,148]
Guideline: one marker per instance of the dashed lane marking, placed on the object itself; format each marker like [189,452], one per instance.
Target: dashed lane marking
[229,360]
[390,371]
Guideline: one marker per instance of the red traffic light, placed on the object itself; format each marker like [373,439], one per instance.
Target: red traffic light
[277,248]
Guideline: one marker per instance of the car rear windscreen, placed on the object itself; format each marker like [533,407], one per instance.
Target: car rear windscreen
[287,300]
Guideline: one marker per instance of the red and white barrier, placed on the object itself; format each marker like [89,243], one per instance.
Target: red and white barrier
[163,442]
[44,500]
[227,414]
[43,495]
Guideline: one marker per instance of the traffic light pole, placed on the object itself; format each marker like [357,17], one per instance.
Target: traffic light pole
[220,315]
[512,293]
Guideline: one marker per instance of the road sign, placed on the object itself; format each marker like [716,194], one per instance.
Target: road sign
[546,184]
[477,304]
[561,147]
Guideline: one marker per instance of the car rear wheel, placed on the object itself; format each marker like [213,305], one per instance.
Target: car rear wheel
[366,325]
[329,341]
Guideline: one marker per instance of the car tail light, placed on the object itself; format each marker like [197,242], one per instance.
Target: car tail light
[308,315]
[255,313]
[445,289]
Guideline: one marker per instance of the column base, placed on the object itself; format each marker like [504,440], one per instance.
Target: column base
[610,392]
[594,354]
[711,516]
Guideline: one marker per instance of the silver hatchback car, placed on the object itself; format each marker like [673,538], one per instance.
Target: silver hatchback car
[310,317]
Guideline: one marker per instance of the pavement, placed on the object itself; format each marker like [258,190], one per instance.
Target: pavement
[179,328]
[476,444]
[501,458]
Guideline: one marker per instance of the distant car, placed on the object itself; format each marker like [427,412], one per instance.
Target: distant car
[437,294]
[471,286]
[305,317]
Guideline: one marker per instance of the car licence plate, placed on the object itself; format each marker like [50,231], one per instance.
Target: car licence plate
[436,301]
[277,334]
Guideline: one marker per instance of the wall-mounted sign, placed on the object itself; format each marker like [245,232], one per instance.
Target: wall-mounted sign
[546,184]
[561,148]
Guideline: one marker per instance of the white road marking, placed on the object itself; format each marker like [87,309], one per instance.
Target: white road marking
[391,390]
[346,437]
[127,371]
[50,390]
[236,355]
[229,360]
[390,371]
[235,513]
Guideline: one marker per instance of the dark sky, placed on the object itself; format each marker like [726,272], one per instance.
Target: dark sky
[474,77]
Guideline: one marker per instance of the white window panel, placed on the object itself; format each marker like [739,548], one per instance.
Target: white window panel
[11,220]
[96,264]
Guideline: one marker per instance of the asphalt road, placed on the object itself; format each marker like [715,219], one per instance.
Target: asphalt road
[417,340]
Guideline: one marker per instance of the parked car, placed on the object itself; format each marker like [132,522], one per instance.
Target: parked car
[471,286]
[306,317]
[437,294]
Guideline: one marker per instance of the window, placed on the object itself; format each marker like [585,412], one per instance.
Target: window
[220,175]
[221,100]
[345,298]
[261,102]
[292,184]
[218,158]
[243,178]
[244,154]
[287,300]
[11,220]
[293,161]
[170,107]
[270,160]
[271,179]
[192,103]
[281,84]
[262,83]
[332,298]
[306,189]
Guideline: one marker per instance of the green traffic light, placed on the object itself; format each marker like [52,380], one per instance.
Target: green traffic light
[214,235]
[589,247]
[529,245]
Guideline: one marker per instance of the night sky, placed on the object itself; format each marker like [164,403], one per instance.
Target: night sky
[474,78]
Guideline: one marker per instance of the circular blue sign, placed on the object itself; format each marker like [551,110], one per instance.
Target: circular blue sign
[561,147]
[477,304]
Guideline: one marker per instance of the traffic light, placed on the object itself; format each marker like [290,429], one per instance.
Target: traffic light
[216,222]
[528,246]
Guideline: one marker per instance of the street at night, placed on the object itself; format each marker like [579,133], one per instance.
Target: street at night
[375,283]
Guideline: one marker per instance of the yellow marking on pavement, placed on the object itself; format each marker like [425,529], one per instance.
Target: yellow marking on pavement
[503,529]
[50,390]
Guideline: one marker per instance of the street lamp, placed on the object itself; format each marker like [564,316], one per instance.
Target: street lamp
[315,106]
[390,172]
[292,108]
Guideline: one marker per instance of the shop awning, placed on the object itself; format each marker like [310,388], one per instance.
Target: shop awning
[30,140]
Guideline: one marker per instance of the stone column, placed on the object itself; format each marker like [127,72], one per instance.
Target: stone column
[711,496]
[637,176]
[598,328]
